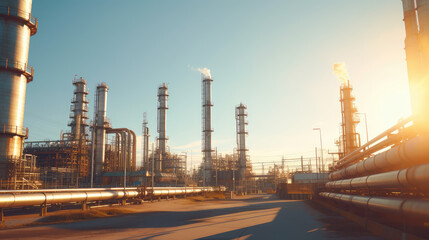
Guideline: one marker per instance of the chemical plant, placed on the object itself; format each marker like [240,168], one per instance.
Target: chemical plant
[93,152]
[381,184]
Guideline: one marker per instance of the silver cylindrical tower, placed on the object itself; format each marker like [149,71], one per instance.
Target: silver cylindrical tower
[162,118]
[101,124]
[240,116]
[145,142]
[16,27]
[79,110]
[207,127]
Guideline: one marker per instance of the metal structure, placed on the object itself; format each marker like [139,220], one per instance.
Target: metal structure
[350,139]
[16,26]
[101,124]
[416,19]
[207,127]
[162,118]
[45,197]
[241,122]
[145,143]
[79,111]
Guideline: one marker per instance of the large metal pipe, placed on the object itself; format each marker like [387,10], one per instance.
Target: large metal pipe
[162,118]
[414,178]
[207,128]
[408,210]
[369,147]
[134,151]
[100,127]
[11,199]
[16,27]
[406,154]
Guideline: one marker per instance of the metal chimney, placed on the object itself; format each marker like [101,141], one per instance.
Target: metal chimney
[240,116]
[101,123]
[162,117]
[207,127]
[16,27]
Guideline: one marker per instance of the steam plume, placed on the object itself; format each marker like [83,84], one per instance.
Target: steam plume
[341,71]
[205,72]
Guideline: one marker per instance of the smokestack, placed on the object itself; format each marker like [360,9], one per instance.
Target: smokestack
[16,27]
[162,118]
[101,123]
[207,126]
[240,116]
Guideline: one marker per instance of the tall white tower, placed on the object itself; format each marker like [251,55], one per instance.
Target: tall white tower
[101,124]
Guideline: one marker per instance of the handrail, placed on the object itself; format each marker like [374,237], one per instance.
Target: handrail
[10,129]
[29,20]
[21,67]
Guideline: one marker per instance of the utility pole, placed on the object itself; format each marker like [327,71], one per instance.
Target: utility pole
[153,162]
[302,164]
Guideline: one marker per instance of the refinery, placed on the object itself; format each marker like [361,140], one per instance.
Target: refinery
[377,182]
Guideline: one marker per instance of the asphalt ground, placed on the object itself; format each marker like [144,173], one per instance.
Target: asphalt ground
[249,217]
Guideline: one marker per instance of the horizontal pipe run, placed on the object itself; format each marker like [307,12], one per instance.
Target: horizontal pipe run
[406,154]
[362,151]
[409,210]
[413,178]
[53,196]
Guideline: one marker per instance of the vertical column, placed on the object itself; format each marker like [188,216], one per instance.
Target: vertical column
[16,27]
[101,123]
[241,115]
[207,128]
[162,118]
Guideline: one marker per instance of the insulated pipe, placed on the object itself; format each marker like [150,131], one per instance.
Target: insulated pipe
[53,196]
[365,150]
[406,154]
[134,150]
[415,177]
[410,210]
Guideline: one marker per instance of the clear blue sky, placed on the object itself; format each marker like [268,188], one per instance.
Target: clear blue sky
[275,56]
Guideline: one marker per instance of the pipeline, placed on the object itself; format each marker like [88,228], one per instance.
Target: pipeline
[21,198]
[406,154]
[365,150]
[414,178]
[408,210]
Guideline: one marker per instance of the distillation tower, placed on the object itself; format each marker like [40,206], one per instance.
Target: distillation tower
[350,139]
[79,109]
[207,127]
[101,124]
[162,118]
[16,26]
[240,116]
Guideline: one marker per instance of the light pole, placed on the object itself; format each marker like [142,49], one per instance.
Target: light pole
[321,146]
[366,126]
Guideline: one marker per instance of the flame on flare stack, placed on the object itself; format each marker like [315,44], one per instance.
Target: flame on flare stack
[340,71]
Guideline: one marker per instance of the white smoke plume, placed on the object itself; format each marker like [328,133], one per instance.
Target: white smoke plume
[205,72]
[341,71]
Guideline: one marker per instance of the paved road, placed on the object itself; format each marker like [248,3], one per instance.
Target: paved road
[250,217]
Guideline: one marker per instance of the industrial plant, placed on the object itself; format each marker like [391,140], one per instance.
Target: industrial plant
[379,183]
